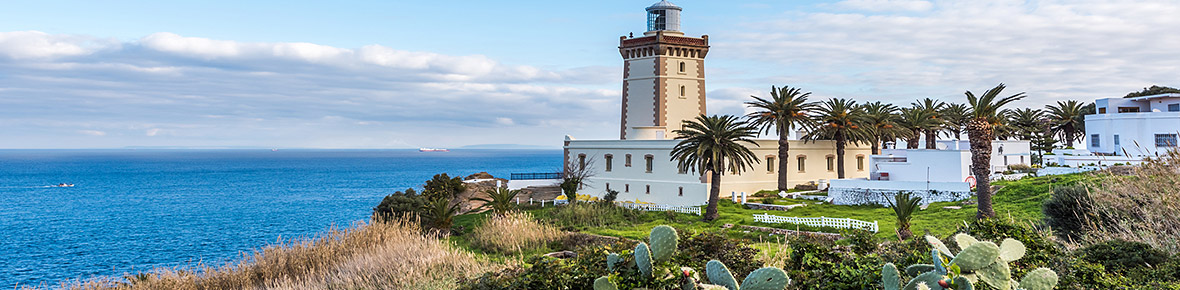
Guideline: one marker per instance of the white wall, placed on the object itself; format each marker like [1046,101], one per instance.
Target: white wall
[1136,132]
[856,191]
[924,165]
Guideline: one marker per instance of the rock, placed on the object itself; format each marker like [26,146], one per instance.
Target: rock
[562,254]
[952,207]
[726,226]
[481,175]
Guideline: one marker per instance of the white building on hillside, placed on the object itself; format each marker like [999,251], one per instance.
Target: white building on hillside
[664,85]
[942,174]
[1134,127]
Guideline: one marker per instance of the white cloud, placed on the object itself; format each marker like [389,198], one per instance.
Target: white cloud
[152,132]
[40,45]
[886,5]
[505,121]
[92,132]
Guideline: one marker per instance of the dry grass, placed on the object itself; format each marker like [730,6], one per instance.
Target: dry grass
[392,255]
[1143,206]
[513,233]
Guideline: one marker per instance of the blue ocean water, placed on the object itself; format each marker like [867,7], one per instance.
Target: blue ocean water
[132,210]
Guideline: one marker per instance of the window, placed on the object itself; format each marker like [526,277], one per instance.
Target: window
[608,186]
[648,189]
[1128,109]
[610,160]
[860,163]
[581,161]
[682,67]
[1094,141]
[1116,140]
[1173,107]
[1022,159]
[799,161]
[626,188]
[769,164]
[1165,140]
[1102,110]
[831,163]
[648,160]
[681,92]
[681,191]
[627,160]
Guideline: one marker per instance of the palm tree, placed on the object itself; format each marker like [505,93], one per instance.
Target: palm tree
[839,120]
[439,213]
[1025,122]
[916,121]
[880,121]
[985,111]
[904,205]
[714,143]
[1066,117]
[786,109]
[955,116]
[934,107]
[500,200]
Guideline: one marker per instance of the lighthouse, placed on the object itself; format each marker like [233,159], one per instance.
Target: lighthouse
[663,76]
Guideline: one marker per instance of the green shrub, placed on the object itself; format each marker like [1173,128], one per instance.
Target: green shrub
[443,186]
[610,196]
[767,200]
[583,215]
[861,241]
[695,250]
[1122,256]
[1085,275]
[399,205]
[1070,211]
[1041,252]
[817,265]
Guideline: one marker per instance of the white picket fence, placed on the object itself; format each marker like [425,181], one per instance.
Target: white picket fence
[661,207]
[845,223]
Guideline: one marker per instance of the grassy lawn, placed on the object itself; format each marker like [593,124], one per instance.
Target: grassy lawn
[1019,199]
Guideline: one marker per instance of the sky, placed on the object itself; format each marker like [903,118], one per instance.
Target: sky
[409,74]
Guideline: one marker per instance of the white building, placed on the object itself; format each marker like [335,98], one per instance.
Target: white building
[664,85]
[1134,127]
[942,174]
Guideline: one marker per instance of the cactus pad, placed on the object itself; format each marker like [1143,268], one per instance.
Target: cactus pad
[663,243]
[1039,279]
[937,244]
[1011,250]
[936,258]
[603,284]
[720,275]
[977,256]
[997,275]
[964,240]
[712,287]
[890,278]
[928,278]
[918,269]
[611,261]
[643,259]
[962,283]
[769,278]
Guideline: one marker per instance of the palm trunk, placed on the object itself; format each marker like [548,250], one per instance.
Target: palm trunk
[980,134]
[784,147]
[912,142]
[931,136]
[714,195]
[876,148]
[840,143]
[1069,135]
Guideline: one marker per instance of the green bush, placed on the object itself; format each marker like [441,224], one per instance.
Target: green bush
[610,196]
[1041,252]
[1085,275]
[1122,256]
[827,266]
[443,186]
[399,205]
[695,250]
[582,215]
[767,200]
[861,241]
[1070,212]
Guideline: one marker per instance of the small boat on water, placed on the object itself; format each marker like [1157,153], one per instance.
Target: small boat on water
[64,185]
[433,150]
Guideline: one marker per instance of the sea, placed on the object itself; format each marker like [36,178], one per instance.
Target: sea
[135,210]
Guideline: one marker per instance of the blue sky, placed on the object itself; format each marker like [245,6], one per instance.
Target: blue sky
[384,74]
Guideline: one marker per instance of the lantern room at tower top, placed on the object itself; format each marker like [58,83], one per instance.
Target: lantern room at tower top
[663,16]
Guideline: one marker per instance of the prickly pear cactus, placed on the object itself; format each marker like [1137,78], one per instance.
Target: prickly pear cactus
[930,279]
[936,257]
[1039,279]
[1011,250]
[643,259]
[712,287]
[997,275]
[664,241]
[769,278]
[964,241]
[961,283]
[890,278]
[977,256]
[603,284]
[611,261]
[918,269]
[938,245]
[719,274]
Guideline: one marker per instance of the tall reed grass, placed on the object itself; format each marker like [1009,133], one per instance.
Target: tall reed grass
[1144,206]
[383,255]
[513,233]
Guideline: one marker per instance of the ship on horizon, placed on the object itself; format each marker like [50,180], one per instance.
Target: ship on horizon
[433,150]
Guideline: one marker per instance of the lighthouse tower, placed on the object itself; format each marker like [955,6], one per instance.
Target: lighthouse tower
[663,76]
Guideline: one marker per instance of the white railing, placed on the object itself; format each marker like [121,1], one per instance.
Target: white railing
[661,207]
[845,223]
